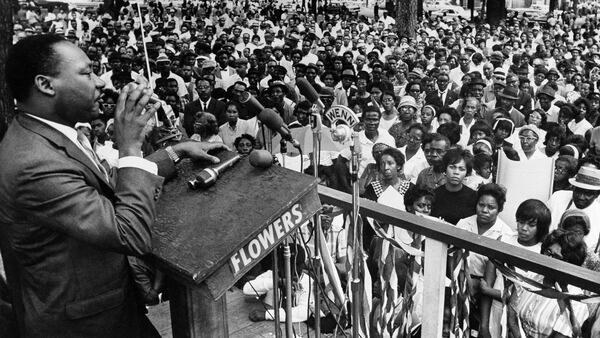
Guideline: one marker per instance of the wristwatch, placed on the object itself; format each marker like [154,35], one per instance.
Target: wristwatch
[172,154]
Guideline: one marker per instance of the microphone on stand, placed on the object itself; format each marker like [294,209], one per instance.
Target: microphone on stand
[252,103]
[208,176]
[309,92]
[274,122]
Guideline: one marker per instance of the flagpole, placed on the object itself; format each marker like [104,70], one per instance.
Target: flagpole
[316,129]
[357,240]
[149,84]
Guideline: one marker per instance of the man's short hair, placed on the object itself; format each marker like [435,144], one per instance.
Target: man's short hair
[32,56]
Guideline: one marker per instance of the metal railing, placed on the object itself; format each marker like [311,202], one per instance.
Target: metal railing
[439,236]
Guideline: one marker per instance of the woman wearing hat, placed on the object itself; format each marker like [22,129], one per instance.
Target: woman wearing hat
[407,116]
[529,136]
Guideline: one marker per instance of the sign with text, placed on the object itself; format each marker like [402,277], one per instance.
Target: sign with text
[266,239]
[345,115]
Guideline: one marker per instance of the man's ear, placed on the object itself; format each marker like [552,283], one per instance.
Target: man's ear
[44,84]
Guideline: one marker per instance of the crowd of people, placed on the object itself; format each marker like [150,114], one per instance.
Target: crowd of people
[436,111]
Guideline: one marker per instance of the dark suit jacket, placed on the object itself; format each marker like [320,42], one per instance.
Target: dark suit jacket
[435,99]
[215,107]
[65,233]
[523,103]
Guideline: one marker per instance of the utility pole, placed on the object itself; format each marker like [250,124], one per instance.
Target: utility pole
[6,26]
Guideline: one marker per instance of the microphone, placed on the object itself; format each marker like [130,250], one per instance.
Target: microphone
[309,92]
[253,104]
[208,176]
[260,158]
[274,122]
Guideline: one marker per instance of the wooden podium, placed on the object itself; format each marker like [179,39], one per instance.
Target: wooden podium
[205,240]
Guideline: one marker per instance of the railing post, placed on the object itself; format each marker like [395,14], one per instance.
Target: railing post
[436,253]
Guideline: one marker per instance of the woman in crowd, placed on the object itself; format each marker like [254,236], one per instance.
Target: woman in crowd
[428,118]
[565,167]
[529,136]
[554,139]
[454,200]
[389,116]
[413,153]
[244,144]
[418,201]
[578,222]
[391,164]
[539,316]
[485,222]
[503,127]
[533,223]
[372,171]
[447,115]
[482,171]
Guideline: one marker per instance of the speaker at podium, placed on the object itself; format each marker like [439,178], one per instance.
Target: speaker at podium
[207,239]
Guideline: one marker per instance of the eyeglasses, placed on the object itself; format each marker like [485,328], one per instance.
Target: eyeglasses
[388,100]
[109,105]
[528,139]
[561,170]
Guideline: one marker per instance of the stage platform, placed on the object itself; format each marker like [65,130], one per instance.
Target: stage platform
[238,308]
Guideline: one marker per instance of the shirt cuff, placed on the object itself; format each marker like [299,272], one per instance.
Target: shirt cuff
[138,162]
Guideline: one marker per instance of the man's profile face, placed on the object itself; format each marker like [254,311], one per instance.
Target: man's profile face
[76,88]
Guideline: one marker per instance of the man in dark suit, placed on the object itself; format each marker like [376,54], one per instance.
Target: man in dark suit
[444,96]
[65,229]
[524,102]
[205,103]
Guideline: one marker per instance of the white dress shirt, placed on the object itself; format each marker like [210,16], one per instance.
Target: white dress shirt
[124,162]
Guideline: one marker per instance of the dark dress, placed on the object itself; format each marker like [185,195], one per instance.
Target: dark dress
[453,206]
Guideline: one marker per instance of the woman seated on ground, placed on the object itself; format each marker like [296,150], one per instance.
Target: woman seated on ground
[533,223]
[539,316]
[301,283]
[454,200]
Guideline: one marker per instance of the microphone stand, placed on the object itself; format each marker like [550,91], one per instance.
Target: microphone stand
[287,264]
[276,319]
[357,240]
[316,129]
